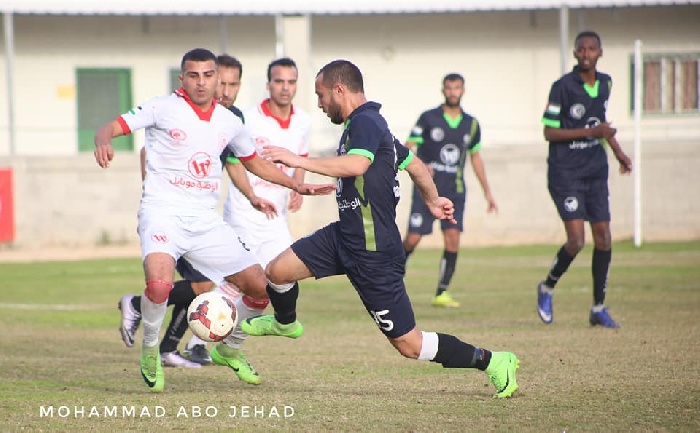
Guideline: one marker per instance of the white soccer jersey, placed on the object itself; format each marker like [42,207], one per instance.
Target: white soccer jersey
[266,129]
[183,144]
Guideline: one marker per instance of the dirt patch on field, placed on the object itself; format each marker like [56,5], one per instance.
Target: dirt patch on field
[16,255]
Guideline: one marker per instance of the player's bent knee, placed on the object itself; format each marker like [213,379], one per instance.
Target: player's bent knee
[408,351]
[408,347]
[202,287]
[275,273]
[158,290]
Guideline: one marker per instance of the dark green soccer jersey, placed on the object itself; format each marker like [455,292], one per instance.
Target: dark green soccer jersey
[367,203]
[443,144]
[574,104]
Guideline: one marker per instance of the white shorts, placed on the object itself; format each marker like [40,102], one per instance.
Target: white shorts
[266,244]
[206,241]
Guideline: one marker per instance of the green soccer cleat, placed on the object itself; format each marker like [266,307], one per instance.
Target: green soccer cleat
[268,325]
[235,358]
[151,369]
[501,372]
[445,300]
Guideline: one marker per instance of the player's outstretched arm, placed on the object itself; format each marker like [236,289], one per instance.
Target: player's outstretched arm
[238,176]
[335,166]
[271,173]
[104,152]
[440,207]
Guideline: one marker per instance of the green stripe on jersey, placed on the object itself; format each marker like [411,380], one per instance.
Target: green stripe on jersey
[592,90]
[362,152]
[476,148]
[406,161]
[451,121]
[417,140]
[551,123]
[367,219]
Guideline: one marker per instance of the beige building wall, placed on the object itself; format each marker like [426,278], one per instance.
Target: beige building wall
[509,60]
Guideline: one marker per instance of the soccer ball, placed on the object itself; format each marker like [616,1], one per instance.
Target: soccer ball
[212,316]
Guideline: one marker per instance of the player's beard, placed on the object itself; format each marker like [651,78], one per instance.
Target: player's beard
[451,104]
[333,112]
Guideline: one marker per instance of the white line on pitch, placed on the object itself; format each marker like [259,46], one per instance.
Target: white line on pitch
[53,307]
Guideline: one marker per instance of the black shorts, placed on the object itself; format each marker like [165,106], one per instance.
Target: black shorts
[421,220]
[188,272]
[586,199]
[378,281]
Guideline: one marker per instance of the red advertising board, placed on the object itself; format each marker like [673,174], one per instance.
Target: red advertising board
[7,210]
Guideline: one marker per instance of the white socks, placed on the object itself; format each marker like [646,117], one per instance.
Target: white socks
[429,348]
[152,316]
[237,337]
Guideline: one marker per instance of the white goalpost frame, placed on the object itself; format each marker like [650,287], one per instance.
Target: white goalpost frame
[637,166]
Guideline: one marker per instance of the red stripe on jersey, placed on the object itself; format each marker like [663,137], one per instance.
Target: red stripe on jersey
[203,115]
[284,123]
[245,158]
[125,128]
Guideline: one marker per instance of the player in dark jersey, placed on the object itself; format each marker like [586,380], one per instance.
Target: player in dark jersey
[442,138]
[193,282]
[576,128]
[365,244]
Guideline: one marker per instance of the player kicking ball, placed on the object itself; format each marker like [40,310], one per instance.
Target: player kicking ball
[365,244]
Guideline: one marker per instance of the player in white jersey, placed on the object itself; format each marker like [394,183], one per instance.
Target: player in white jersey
[277,122]
[185,134]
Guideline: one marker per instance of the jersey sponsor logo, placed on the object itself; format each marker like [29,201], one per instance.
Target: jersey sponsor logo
[466,139]
[178,135]
[577,111]
[347,204]
[571,204]
[199,165]
[449,154]
[416,220]
[159,238]
[338,187]
[198,184]
[134,110]
[417,131]
[553,109]
[437,134]
[592,122]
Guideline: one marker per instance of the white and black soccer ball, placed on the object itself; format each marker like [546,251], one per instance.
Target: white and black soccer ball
[212,316]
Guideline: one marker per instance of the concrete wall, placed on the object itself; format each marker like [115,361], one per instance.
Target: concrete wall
[509,60]
[69,201]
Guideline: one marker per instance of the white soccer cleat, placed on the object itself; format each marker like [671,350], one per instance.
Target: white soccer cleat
[174,359]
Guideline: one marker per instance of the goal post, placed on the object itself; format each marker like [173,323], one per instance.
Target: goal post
[637,166]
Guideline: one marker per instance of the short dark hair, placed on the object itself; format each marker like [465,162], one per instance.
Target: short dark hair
[344,72]
[282,61]
[228,61]
[588,34]
[453,77]
[197,55]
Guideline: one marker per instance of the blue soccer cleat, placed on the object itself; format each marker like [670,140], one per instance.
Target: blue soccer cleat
[544,303]
[603,319]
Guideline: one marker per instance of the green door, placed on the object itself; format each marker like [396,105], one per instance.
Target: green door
[102,95]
